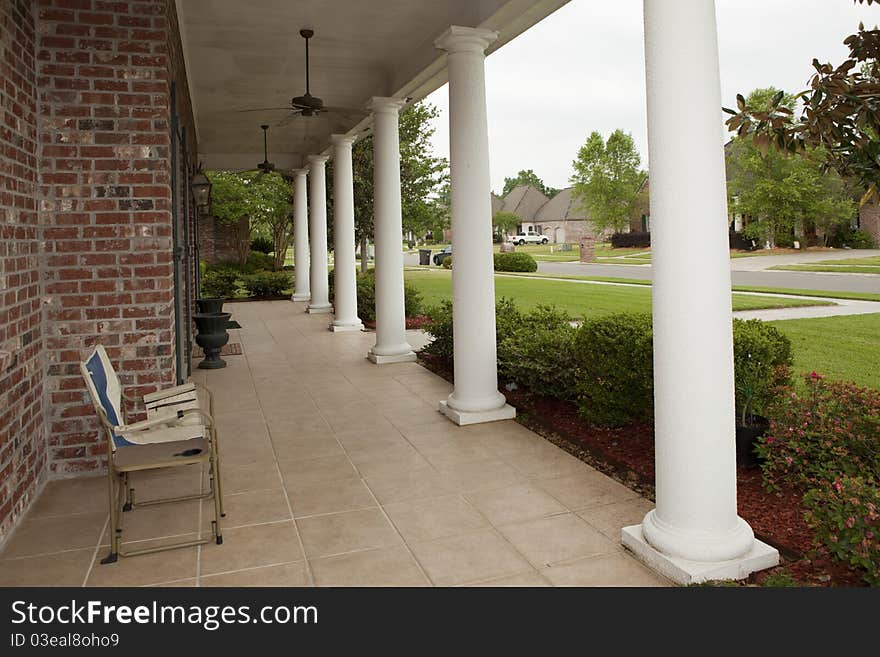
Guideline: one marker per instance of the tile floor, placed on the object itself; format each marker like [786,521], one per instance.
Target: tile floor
[338,472]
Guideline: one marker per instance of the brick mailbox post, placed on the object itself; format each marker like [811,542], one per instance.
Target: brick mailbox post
[588,245]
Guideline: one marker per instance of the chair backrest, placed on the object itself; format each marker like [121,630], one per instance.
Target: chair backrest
[106,392]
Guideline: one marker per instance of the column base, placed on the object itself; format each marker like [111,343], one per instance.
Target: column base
[684,571]
[346,326]
[407,357]
[462,418]
[320,309]
[303,296]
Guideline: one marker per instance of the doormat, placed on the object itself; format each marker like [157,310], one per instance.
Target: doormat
[229,349]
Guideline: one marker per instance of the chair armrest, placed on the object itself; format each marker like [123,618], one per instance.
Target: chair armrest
[169,419]
[168,392]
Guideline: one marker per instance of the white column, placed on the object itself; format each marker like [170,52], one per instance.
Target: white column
[475,397]
[694,534]
[344,277]
[300,237]
[391,345]
[320,302]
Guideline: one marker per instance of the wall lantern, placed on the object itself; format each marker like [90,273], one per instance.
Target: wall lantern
[201,188]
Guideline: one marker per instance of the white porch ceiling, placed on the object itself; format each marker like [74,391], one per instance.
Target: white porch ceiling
[243,55]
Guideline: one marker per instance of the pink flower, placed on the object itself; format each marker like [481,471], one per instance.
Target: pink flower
[837,486]
[850,522]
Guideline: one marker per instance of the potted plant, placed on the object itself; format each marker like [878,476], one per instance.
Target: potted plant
[762,367]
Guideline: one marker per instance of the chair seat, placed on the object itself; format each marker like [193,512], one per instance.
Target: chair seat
[161,455]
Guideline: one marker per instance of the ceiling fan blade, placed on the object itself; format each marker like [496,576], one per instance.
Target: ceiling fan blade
[263,109]
[345,110]
[287,119]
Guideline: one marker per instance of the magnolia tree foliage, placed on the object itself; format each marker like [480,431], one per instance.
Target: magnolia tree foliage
[779,191]
[528,177]
[252,199]
[607,180]
[840,112]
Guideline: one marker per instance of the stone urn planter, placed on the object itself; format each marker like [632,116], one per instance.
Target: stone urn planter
[746,440]
[210,305]
[211,337]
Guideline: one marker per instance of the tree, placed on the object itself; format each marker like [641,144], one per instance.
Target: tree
[504,222]
[245,200]
[840,113]
[607,178]
[528,177]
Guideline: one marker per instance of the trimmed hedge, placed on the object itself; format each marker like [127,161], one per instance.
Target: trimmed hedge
[630,240]
[762,364]
[267,283]
[447,262]
[366,297]
[616,369]
[515,262]
[219,282]
[262,244]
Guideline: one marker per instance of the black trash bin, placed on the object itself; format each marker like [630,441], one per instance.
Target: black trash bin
[424,256]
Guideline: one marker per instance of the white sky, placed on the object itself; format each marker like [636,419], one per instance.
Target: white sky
[582,69]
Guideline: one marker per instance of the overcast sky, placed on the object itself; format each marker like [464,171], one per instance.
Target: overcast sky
[582,69]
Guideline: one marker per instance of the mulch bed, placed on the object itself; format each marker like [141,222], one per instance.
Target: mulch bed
[627,454]
[412,323]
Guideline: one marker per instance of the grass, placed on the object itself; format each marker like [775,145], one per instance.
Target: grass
[546,252]
[829,294]
[871,260]
[578,300]
[840,269]
[844,348]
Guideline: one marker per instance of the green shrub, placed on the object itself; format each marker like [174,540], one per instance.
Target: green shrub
[267,283]
[366,297]
[219,282]
[257,261]
[830,431]
[447,262]
[539,354]
[762,365]
[515,262]
[508,319]
[845,514]
[262,244]
[851,237]
[614,355]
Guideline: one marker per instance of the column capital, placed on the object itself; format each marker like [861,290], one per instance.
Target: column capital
[300,172]
[465,39]
[342,140]
[317,160]
[380,104]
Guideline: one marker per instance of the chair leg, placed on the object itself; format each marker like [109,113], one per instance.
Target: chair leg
[114,528]
[218,504]
[215,466]
[129,494]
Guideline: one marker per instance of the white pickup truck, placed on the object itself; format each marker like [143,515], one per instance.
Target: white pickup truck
[528,238]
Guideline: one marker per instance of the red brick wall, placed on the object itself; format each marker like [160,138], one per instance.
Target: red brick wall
[22,431]
[105,199]
[869,221]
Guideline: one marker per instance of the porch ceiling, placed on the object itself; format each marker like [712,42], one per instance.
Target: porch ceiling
[243,55]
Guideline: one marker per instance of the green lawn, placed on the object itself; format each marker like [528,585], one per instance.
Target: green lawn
[830,294]
[871,260]
[579,300]
[840,269]
[846,348]
[547,252]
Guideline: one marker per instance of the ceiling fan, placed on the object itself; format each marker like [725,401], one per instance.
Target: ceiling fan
[265,166]
[307,104]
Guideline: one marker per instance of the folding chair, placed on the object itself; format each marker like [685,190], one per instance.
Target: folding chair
[177,432]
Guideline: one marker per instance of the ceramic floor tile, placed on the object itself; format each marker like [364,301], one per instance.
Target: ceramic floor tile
[246,547]
[558,538]
[64,569]
[468,558]
[424,520]
[282,575]
[619,569]
[35,536]
[515,503]
[317,470]
[346,532]
[329,497]
[392,566]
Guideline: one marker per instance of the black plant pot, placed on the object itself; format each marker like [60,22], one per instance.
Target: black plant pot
[746,440]
[210,305]
[211,337]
